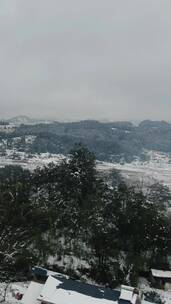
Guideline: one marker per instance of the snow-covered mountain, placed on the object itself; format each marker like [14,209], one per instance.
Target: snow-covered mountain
[25,120]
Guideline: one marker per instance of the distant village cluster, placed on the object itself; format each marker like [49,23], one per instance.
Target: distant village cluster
[6,127]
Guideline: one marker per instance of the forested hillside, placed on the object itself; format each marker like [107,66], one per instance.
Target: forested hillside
[117,141]
[69,212]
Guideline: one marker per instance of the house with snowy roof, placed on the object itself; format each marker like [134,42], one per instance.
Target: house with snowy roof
[67,291]
[60,289]
[161,279]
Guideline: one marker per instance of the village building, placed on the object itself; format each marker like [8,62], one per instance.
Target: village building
[60,289]
[161,279]
[6,127]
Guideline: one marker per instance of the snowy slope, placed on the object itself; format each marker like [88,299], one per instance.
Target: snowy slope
[28,161]
[156,169]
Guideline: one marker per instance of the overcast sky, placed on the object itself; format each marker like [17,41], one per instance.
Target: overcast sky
[79,59]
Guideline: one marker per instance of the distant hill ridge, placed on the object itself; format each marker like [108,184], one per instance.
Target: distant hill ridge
[120,141]
[24,119]
[110,141]
[20,119]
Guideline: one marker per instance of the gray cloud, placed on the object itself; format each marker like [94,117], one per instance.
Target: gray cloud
[77,59]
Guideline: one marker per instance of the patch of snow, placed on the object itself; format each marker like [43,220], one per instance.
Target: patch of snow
[29,161]
[156,169]
[69,261]
[29,139]
[10,291]
[164,295]
[32,293]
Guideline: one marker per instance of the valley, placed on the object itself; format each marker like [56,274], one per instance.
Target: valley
[144,173]
[141,153]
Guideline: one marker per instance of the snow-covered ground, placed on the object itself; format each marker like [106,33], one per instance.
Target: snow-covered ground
[8,292]
[156,169]
[144,285]
[12,289]
[28,161]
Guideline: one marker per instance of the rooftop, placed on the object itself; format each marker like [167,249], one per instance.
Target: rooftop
[60,289]
[161,273]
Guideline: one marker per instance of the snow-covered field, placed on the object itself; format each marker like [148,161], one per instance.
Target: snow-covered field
[156,169]
[28,161]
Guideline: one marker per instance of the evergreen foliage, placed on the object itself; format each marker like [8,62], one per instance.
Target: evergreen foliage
[70,209]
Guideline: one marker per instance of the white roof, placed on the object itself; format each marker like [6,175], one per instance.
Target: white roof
[126,293]
[161,273]
[52,293]
[32,293]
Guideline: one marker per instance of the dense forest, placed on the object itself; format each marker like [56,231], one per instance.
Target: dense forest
[115,232]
